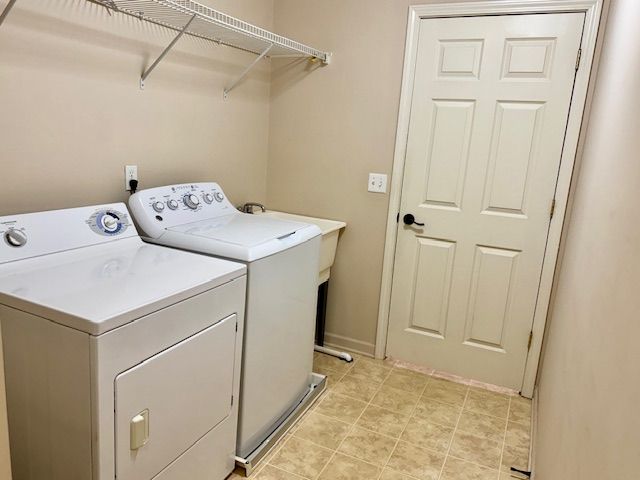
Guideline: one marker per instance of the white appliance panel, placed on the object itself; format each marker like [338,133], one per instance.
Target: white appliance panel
[197,462]
[279,338]
[240,229]
[119,349]
[48,369]
[97,289]
[186,390]
[59,230]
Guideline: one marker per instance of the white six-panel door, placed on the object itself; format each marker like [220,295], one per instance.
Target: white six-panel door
[489,111]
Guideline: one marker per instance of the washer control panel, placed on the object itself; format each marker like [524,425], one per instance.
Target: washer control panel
[157,209]
[42,233]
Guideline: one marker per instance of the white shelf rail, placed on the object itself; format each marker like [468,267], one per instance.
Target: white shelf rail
[187,17]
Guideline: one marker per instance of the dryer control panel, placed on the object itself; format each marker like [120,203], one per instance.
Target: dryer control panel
[34,234]
[157,209]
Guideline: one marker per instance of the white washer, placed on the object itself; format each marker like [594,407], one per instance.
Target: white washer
[122,358]
[282,259]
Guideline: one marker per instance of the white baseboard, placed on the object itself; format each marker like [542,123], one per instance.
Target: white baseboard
[336,341]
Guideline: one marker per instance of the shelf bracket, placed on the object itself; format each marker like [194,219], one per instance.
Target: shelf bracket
[235,83]
[148,71]
[6,10]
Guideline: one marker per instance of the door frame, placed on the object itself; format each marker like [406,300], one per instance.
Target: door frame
[593,13]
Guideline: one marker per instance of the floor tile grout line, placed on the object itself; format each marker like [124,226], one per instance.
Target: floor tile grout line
[353,425]
[332,451]
[471,462]
[455,429]
[284,471]
[359,426]
[429,377]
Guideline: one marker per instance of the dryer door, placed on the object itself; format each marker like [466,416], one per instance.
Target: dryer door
[168,402]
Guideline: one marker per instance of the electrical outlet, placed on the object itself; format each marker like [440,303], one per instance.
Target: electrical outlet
[377,183]
[130,173]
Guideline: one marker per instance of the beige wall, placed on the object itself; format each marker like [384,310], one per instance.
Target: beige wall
[72,114]
[588,422]
[330,127]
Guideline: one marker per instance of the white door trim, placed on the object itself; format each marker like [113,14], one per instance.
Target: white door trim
[593,12]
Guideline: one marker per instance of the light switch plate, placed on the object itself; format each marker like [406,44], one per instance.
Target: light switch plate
[377,183]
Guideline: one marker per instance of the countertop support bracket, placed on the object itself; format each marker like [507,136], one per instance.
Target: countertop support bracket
[246,71]
[148,71]
[6,10]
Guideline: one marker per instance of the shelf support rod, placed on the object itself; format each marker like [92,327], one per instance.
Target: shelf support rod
[148,71]
[246,71]
[6,10]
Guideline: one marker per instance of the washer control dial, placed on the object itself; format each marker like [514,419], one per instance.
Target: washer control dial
[191,201]
[158,206]
[208,198]
[218,196]
[15,238]
[173,204]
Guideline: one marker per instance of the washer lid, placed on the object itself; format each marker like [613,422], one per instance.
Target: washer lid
[241,229]
[98,288]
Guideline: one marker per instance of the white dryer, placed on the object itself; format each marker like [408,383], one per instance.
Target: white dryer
[282,259]
[122,358]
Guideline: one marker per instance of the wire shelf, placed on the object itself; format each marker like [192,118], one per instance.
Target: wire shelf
[213,25]
[187,17]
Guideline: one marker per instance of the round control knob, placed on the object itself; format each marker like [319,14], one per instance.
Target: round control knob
[110,223]
[158,207]
[218,196]
[191,201]
[208,197]
[15,238]
[172,204]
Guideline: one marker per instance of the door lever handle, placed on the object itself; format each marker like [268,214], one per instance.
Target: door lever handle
[409,219]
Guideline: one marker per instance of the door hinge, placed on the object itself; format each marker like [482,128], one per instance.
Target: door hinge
[236,326]
[553,208]
[578,59]
[530,340]
[232,400]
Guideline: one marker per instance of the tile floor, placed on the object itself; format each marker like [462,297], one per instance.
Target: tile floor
[381,422]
